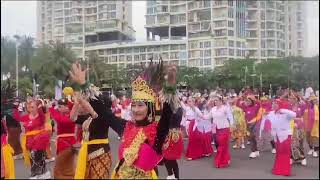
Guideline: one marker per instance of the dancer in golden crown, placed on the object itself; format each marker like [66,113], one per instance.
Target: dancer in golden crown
[142,138]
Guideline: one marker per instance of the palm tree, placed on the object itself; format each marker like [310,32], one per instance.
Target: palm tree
[96,69]
[26,52]
[8,55]
[52,64]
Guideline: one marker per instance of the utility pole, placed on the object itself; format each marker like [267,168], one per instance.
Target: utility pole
[17,69]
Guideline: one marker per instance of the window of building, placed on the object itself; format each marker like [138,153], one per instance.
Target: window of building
[231,43]
[129,58]
[143,57]
[183,63]
[136,50]
[150,49]
[113,59]
[142,49]
[207,53]
[219,24]
[121,58]
[121,51]
[207,62]
[201,44]
[204,15]
[164,9]
[114,51]
[230,13]
[165,48]
[174,47]
[207,44]
[206,3]
[230,32]
[136,57]
[111,7]
[230,23]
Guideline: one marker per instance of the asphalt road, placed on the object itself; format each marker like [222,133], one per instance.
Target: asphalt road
[241,166]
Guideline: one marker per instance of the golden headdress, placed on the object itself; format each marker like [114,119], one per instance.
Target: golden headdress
[141,91]
[148,83]
[264,98]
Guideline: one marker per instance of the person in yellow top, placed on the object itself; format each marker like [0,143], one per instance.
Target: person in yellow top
[296,124]
[265,107]
[49,128]
[240,129]
[7,162]
[311,124]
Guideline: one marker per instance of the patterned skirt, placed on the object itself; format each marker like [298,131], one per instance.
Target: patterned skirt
[297,150]
[99,167]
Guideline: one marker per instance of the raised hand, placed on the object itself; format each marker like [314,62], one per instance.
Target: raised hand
[78,75]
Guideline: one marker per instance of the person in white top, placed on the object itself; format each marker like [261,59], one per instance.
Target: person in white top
[281,131]
[195,145]
[222,116]
[308,92]
[205,127]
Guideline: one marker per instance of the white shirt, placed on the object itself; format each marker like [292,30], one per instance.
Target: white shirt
[221,117]
[308,93]
[126,113]
[280,123]
[190,112]
[205,125]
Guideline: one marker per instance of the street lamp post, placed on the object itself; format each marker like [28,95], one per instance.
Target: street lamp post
[84,40]
[17,70]
[37,89]
[261,82]
[245,75]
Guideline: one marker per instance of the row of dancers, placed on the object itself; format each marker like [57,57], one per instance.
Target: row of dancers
[151,129]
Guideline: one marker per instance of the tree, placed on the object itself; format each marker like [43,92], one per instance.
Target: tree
[50,64]
[234,73]
[275,72]
[26,52]
[8,56]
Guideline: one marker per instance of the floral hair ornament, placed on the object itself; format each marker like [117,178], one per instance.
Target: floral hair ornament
[68,91]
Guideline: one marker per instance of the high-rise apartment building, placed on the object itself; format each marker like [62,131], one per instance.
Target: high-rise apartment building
[215,30]
[78,23]
[265,29]
[198,33]
[296,39]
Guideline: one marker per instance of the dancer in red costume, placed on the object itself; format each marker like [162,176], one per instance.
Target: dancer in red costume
[64,167]
[222,117]
[251,107]
[195,145]
[280,118]
[35,140]
[173,146]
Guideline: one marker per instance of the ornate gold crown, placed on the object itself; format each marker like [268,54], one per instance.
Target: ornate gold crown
[141,91]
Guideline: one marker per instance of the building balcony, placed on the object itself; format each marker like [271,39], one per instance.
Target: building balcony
[220,4]
[109,25]
[252,37]
[251,18]
[173,3]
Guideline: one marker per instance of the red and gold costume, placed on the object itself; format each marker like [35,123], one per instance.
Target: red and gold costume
[64,166]
[141,147]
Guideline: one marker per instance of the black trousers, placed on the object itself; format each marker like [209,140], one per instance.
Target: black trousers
[172,167]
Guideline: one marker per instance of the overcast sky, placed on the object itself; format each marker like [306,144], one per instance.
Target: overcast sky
[19,17]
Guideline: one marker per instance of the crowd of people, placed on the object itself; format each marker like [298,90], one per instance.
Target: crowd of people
[152,124]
